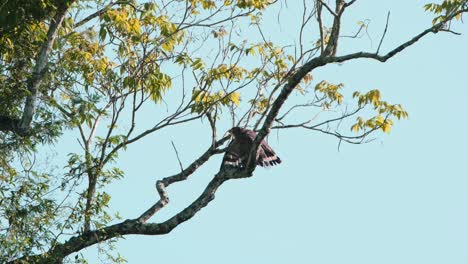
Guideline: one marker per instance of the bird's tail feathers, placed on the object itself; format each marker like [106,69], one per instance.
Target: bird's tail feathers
[268,157]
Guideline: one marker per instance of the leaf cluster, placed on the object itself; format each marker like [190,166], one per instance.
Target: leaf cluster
[384,111]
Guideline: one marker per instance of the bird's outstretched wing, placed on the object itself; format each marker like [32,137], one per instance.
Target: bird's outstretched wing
[233,156]
[238,150]
[266,156]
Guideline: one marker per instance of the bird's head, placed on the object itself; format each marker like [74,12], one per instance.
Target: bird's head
[235,131]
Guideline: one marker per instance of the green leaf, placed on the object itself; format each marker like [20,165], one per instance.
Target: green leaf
[102,33]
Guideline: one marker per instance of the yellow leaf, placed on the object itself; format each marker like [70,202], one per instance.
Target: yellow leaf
[379,119]
[355,128]
[8,41]
[235,98]
[375,96]
[339,97]
[386,128]
[167,46]
[136,27]
[208,5]
[307,78]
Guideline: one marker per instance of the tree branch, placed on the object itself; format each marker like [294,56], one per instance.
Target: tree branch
[328,8]
[161,185]
[40,67]
[177,155]
[384,33]
[320,24]
[139,225]
[296,78]
[98,13]
[332,45]
[135,226]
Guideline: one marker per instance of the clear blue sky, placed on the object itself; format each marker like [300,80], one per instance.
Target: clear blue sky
[400,199]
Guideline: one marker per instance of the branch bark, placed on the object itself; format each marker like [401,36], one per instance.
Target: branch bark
[134,226]
[161,185]
[140,227]
[23,126]
[295,78]
[332,44]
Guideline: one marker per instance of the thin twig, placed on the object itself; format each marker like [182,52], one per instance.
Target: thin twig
[177,155]
[384,33]
[451,31]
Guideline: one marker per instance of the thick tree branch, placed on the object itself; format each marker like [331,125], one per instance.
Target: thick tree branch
[23,125]
[90,193]
[332,44]
[135,226]
[139,225]
[40,67]
[161,185]
[296,78]
[327,7]
[320,24]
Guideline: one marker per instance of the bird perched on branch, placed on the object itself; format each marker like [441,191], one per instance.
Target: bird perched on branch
[237,153]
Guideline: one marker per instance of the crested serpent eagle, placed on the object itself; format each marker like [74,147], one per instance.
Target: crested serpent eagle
[237,153]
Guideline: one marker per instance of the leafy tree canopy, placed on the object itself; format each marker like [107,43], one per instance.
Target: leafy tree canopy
[92,67]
